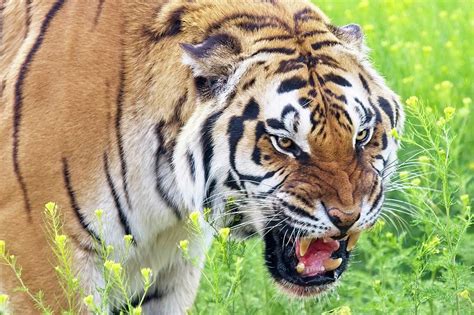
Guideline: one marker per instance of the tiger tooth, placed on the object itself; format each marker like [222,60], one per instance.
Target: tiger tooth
[304,245]
[331,264]
[300,267]
[352,241]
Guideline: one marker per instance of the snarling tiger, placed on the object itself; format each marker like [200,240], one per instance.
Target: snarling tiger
[154,109]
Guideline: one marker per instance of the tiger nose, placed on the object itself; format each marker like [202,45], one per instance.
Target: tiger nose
[343,219]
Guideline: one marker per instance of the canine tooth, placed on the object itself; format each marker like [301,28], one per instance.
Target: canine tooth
[300,267]
[304,245]
[331,264]
[352,241]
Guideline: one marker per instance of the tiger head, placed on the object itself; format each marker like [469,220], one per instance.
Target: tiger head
[295,129]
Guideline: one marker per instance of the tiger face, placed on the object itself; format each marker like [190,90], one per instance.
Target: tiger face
[297,132]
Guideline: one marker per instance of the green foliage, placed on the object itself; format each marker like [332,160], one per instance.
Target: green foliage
[419,257]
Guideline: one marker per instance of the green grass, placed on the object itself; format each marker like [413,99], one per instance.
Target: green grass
[419,259]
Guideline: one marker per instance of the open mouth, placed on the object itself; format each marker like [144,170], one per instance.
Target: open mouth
[306,266]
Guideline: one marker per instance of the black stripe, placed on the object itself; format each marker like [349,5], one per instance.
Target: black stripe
[259,132]
[162,191]
[298,210]
[324,43]
[291,84]
[207,143]
[289,65]
[28,17]
[173,26]
[192,164]
[277,50]
[275,37]
[18,105]
[364,83]
[251,17]
[209,194]
[305,15]
[73,200]
[98,12]
[252,27]
[248,84]
[118,205]
[376,201]
[384,141]
[312,33]
[275,124]
[118,133]
[304,102]
[337,79]
[387,108]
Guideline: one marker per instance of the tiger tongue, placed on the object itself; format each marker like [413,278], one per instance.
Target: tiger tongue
[314,255]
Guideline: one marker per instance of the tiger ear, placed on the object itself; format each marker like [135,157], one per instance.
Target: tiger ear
[212,61]
[352,35]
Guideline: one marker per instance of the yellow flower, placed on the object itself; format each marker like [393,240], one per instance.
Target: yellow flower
[424,159]
[441,122]
[194,217]
[146,274]
[137,310]
[404,175]
[89,301]
[117,269]
[108,264]
[363,4]
[184,244]
[412,101]
[128,239]
[3,300]
[447,85]
[442,14]
[427,49]
[99,213]
[408,80]
[465,199]
[466,101]
[60,240]
[464,294]
[343,310]
[368,28]
[416,182]
[2,248]
[224,233]
[449,112]
[50,207]
[394,133]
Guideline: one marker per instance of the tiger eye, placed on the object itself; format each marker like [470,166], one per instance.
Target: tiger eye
[362,135]
[284,143]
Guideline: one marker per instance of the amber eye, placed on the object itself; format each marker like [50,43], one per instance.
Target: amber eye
[284,143]
[363,136]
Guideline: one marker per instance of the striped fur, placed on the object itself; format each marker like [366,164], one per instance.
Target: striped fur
[153,109]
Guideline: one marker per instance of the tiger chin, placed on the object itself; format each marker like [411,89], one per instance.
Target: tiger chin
[151,110]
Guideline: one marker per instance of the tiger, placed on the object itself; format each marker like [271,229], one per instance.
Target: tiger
[152,110]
